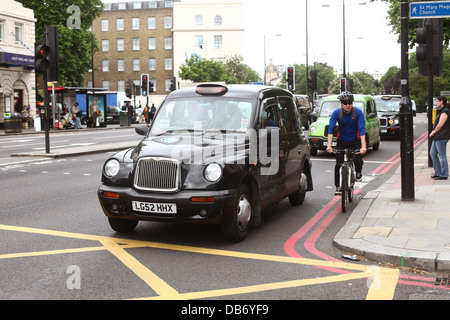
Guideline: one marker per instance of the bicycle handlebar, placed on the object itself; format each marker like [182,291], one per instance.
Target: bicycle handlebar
[350,151]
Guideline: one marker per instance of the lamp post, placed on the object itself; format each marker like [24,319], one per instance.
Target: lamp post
[343,30]
[92,43]
[276,35]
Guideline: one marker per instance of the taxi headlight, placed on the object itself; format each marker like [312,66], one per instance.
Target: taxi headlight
[111,168]
[213,172]
[312,129]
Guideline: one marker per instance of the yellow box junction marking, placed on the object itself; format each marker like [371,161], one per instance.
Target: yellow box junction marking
[382,287]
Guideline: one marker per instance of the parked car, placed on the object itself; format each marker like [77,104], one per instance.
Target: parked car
[112,114]
[388,107]
[305,109]
[318,131]
[213,154]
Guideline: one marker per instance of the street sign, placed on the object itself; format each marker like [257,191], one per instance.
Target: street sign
[435,9]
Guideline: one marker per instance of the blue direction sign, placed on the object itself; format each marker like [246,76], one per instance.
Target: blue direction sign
[434,9]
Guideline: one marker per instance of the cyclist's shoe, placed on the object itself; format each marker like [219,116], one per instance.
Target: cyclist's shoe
[358,176]
[338,191]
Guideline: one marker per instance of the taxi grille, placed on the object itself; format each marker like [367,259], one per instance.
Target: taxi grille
[383,122]
[157,174]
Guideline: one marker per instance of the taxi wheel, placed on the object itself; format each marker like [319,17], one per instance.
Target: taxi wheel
[122,225]
[236,228]
[296,198]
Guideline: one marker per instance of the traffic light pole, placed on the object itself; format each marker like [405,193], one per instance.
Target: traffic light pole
[406,114]
[47,116]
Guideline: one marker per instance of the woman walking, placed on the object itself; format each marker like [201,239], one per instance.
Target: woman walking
[440,136]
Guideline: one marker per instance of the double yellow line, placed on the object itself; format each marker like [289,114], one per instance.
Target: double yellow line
[383,284]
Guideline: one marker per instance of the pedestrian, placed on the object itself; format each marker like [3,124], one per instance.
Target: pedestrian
[77,114]
[130,110]
[93,113]
[440,136]
[352,135]
[152,112]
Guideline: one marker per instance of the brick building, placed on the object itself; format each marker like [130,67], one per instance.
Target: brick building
[134,38]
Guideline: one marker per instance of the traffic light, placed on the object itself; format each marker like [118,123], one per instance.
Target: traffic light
[151,87]
[128,89]
[144,84]
[290,78]
[173,86]
[312,81]
[41,57]
[343,84]
[429,52]
[52,41]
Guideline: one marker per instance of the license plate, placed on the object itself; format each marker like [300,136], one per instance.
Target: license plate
[333,144]
[383,130]
[149,207]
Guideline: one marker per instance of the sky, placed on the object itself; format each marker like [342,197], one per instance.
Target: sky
[370,45]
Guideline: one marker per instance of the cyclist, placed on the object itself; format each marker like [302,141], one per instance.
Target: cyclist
[351,134]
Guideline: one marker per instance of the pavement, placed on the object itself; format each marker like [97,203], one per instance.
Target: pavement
[382,227]
[411,233]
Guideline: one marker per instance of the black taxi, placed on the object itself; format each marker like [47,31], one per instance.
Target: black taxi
[213,154]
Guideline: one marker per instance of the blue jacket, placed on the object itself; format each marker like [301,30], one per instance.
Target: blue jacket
[349,129]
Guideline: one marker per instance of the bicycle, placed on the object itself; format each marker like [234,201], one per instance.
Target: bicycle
[347,175]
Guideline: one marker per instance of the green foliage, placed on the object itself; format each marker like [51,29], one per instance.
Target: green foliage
[76,42]
[232,71]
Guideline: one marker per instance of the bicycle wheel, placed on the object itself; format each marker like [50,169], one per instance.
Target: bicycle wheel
[352,183]
[344,187]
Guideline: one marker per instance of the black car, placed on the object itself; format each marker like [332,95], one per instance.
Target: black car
[112,114]
[388,108]
[214,154]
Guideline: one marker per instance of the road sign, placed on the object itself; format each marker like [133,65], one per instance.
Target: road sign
[435,9]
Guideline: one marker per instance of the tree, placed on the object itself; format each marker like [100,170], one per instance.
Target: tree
[391,79]
[394,21]
[325,76]
[238,72]
[202,70]
[232,71]
[73,19]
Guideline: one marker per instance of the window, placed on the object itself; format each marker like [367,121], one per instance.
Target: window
[151,43]
[120,25]
[152,64]
[168,43]
[121,85]
[137,5]
[198,45]
[105,84]
[168,63]
[151,23]
[136,44]
[136,64]
[285,107]
[198,20]
[167,22]
[135,24]
[105,45]
[120,45]
[122,6]
[105,25]
[152,4]
[120,65]
[218,43]
[18,32]
[105,65]
[168,4]
[2,30]
[218,20]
